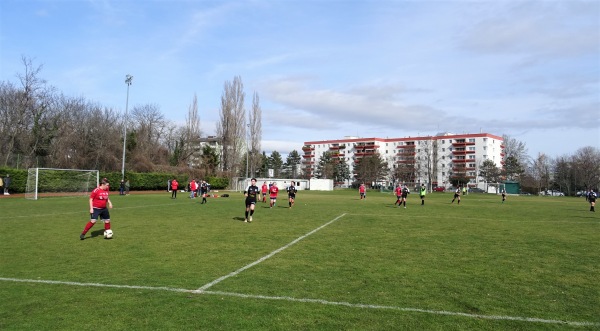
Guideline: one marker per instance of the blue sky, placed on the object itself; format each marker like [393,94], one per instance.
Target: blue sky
[329,69]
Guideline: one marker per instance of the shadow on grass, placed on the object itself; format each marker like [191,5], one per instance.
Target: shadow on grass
[97,233]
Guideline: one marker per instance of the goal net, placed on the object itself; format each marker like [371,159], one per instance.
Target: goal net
[62,182]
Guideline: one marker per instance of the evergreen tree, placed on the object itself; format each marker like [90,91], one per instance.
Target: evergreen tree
[326,166]
[489,171]
[291,163]
[513,168]
[371,168]
[263,170]
[276,163]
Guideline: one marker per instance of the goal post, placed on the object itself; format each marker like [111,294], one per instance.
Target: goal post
[63,182]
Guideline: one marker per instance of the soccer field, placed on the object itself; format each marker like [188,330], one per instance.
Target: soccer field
[332,262]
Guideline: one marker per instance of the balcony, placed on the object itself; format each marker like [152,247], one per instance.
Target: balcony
[365,153]
[459,152]
[337,147]
[463,143]
[307,148]
[360,146]
[308,155]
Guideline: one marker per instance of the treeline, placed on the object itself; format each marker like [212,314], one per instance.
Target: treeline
[41,127]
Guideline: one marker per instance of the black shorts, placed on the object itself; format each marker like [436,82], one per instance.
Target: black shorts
[102,212]
[250,201]
[292,196]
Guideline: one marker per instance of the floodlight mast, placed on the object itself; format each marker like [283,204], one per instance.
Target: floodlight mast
[128,79]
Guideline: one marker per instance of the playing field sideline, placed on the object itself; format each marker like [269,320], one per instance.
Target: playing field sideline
[331,262]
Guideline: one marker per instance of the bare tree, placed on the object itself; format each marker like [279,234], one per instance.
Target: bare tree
[540,171]
[147,128]
[563,174]
[586,164]
[255,127]
[516,149]
[191,134]
[12,122]
[231,127]
[428,159]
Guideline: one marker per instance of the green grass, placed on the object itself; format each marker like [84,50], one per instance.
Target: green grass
[359,265]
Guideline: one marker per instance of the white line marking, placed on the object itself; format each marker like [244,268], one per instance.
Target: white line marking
[593,221]
[220,279]
[55,282]
[319,301]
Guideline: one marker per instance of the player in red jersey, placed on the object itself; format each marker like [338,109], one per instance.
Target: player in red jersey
[98,203]
[398,195]
[273,194]
[174,186]
[264,189]
[363,191]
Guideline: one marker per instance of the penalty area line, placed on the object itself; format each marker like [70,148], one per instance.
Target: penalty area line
[306,300]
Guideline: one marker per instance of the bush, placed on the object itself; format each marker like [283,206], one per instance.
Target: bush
[18,179]
[138,181]
[218,183]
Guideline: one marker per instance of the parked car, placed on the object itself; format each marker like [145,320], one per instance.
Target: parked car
[552,193]
[439,189]
[476,190]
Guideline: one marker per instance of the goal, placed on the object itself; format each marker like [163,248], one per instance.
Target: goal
[63,182]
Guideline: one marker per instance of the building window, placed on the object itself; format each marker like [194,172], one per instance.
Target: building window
[472,140]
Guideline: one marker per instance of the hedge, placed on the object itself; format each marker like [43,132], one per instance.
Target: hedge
[137,181]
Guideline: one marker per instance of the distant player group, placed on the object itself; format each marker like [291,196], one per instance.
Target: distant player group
[99,202]
[252,193]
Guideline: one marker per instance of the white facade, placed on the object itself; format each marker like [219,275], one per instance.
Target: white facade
[445,155]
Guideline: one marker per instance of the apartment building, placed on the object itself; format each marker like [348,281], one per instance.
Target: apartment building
[432,160]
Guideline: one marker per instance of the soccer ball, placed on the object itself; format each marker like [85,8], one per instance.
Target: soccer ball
[108,234]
